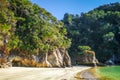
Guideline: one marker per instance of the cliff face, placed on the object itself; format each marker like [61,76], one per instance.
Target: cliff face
[59,58]
[55,58]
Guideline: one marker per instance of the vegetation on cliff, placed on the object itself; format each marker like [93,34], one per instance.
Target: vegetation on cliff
[27,29]
[98,29]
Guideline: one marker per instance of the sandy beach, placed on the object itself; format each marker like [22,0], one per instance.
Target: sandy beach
[89,74]
[23,73]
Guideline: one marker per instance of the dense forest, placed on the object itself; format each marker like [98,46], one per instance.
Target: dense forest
[98,29]
[26,26]
[28,32]
[27,29]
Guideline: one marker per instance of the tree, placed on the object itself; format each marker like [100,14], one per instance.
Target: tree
[99,29]
[7,27]
[27,29]
[38,31]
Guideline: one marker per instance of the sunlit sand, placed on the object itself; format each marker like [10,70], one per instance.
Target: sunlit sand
[23,73]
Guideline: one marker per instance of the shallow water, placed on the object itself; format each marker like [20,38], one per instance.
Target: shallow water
[109,73]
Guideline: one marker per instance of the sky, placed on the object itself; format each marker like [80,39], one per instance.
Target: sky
[59,7]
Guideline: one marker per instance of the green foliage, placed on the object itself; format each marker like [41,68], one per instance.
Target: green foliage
[13,42]
[99,29]
[7,26]
[109,36]
[30,28]
[83,48]
[67,18]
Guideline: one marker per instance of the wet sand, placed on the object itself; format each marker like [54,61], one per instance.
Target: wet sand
[23,73]
[89,74]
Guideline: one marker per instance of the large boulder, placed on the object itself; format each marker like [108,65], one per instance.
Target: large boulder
[90,57]
[55,58]
[59,58]
[87,57]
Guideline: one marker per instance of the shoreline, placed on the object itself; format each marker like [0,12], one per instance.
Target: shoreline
[93,74]
[24,73]
[88,74]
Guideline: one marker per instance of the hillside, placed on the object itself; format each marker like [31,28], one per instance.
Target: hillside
[29,34]
[98,30]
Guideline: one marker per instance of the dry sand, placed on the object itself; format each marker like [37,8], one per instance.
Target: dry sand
[23,73]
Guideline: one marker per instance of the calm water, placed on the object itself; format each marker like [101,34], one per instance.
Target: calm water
[109,73]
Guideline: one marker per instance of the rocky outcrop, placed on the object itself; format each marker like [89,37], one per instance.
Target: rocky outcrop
[58,58]
[4,63]
[115,59]
[55,58]
[87,57]
[90,57]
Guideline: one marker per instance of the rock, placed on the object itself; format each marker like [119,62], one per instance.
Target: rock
[87,58]
[4,63]
[55,58]
[90,57]
[109,62]
[59,58]
[115,59]
[66,58]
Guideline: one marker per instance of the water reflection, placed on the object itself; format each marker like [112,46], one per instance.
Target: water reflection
[101,73]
